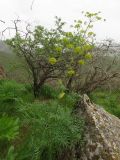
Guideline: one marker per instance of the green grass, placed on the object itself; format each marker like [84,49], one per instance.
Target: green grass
[46,127]
[43,128]
[49,92]
[109,100]
[15,67]
[52,129]
[12,89]
[12,96]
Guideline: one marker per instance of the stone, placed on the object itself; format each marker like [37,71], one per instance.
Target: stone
[102,132]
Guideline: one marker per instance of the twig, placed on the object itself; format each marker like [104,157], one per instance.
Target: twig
[2,21]
[32,4]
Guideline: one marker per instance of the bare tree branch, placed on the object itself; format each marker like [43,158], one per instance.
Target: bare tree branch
[32,4]
[2,21]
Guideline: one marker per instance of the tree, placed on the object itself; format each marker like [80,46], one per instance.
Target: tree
[81,43]
[102,70]
[55,53]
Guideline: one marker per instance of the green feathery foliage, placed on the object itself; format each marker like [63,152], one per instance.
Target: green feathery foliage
[52,128]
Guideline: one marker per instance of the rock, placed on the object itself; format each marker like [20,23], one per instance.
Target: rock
[102,132]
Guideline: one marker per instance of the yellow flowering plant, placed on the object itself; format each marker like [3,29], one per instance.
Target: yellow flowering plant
[52,60]
[48,51]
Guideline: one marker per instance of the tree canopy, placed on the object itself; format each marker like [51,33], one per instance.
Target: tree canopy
[56,53]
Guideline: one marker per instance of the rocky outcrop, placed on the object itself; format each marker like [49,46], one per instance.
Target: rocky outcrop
[102,132]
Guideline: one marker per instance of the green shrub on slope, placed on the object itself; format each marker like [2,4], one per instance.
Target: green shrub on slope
[52,129]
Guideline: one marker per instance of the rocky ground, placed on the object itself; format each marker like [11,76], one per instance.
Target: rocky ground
[102,132]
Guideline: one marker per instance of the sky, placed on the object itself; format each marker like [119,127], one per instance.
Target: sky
[44,11]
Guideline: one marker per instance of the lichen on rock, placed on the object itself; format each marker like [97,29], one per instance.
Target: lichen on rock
[102,132]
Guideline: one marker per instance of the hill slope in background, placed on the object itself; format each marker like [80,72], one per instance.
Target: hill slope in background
[5,48]
[15,67]
[6,55]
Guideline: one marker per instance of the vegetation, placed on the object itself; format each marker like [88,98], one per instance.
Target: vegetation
[53,69]
[36,130]
[55,53]
[110,100]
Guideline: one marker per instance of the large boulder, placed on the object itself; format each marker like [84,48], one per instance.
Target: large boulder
[102,132]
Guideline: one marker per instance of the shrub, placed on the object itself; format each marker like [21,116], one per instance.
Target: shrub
[48,92]
[69,100]
[10,155]
[52,53]
[9,130]
[52,129]
[11,89]
[12,96]
[47,128]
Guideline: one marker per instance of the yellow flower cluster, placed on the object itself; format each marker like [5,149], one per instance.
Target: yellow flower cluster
[81,62]
[71,72]
[77,50]
[88,56]
[52,60]
[58,49]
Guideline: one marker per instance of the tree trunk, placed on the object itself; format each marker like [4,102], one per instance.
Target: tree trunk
[69,84]
[36,89]
[37,86]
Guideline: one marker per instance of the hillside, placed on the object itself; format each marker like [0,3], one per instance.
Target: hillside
[14,66]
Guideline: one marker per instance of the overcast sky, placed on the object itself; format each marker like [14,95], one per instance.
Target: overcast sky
[44,11]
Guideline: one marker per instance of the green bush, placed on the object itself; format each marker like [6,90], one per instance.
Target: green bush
[48,91]
[9,130]
[69,100]
[10,155]
[47,128]
[11,89]
[12,96]
[52,129]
